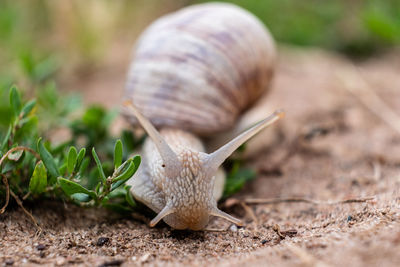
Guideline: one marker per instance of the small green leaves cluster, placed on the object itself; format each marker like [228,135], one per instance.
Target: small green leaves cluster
[238,175]
[37,169]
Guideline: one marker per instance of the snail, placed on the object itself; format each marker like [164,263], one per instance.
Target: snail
[192,74]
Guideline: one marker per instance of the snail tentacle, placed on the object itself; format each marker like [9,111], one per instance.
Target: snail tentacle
[167,210]
[171,162]
[216,158]
[219,213]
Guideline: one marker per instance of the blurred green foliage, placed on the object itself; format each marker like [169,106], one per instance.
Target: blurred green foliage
[357,28]
[37,35]
[24,26]
[237,177]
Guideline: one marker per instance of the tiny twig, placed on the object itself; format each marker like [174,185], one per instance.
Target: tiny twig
[284,234]
[277,230]
[18,148]
[19,202]
[26,195]
[250,212]
[5,181]
[264,201]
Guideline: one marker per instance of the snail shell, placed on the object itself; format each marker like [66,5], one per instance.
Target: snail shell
[197,69]
[193,73]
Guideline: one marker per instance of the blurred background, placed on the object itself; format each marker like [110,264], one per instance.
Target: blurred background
[81,46]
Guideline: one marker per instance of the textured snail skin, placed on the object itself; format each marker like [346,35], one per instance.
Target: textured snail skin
[191,194]
[193,72]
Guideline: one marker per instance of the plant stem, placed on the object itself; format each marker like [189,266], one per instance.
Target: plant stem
[19,202]
[18,148]
[5,181]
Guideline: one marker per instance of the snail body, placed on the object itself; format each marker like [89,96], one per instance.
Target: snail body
[192,74]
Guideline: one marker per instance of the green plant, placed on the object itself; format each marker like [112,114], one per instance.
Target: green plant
[357,28]
[32,168]
[238,175]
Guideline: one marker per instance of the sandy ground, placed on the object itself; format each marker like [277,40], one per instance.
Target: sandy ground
[335,149]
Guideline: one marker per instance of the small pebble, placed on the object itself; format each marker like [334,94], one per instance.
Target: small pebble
[290,233]
[111,263]
[102,241]
[41,247]
[233,228]
[9,262]
[60,261]
[144,258]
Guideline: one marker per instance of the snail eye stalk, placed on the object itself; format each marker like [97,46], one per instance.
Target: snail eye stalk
[171,164]
[164,212]
[216,158]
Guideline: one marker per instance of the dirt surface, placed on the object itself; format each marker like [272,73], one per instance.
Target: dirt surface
[333,147]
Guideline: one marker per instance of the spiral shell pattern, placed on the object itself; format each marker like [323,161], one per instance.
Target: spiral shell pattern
[197,69]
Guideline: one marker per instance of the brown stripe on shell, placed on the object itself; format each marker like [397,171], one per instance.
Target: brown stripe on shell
[200,48]
[201,65]
[231,58]
[166,116]
[158,104]
[174,85]
[244,29]
[162,109]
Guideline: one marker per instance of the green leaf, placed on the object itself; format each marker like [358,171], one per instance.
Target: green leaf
[47,159]
[71,160]
[118,154]
[128,196]
[94,116]
[121,168]
[84,165]
[5,140]
[79,158]
[15,156]
[28,107]
[8,166]
[70,188]
[63,168]
[15,100]
[99,167]
[118,193]
[128,172]
[81,197]
[38,181]
[237,179]
[98,186]
[136,162]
